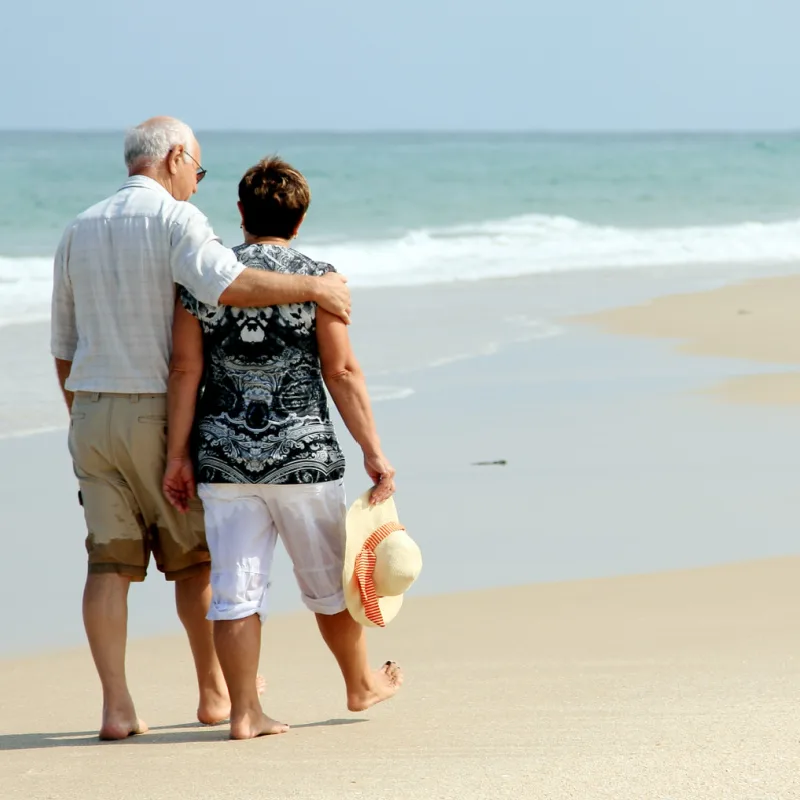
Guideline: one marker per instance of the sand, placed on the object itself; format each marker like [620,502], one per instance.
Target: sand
[618,459]
[676,685]
[754,321]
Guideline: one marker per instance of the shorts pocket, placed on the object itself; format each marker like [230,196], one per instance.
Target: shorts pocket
[153,419]
[76,415]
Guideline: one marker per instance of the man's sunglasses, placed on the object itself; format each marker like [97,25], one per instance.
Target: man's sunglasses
[201,171]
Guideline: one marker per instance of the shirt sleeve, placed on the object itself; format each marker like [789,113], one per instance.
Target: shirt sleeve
[198,259]
[323,268]
[190,302]
[63,329]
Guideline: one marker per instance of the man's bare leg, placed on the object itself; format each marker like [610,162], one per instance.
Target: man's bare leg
[348,643]
[105,617]
[192,599]
[239,645]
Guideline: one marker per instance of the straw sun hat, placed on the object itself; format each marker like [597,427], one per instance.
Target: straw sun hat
[380,562]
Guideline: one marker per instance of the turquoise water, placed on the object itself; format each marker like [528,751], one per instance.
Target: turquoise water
[394,209]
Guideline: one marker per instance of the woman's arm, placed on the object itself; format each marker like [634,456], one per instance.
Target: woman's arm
[185,374]
[345,382]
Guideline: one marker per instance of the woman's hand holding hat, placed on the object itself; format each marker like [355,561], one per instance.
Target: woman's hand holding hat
[381,473]
[381,561]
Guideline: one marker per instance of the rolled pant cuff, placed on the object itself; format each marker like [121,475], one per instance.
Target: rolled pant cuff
[233,613]
[188,572]
[326,605]
[125,570]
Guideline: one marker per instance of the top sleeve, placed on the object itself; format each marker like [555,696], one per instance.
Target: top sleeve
[323,268]
[199,260]
[190,302]
[63,328]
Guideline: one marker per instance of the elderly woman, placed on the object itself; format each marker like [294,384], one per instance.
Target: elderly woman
[259,435]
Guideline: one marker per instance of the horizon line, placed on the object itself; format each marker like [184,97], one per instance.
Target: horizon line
[677,131]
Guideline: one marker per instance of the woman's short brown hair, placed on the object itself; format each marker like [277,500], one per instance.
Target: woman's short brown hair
[274,198]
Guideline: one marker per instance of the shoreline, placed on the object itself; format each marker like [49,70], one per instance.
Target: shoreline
[595,431]
[401,334]
[595,434]
[753,322]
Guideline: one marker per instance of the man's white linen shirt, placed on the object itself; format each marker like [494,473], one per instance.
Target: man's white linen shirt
[114,280]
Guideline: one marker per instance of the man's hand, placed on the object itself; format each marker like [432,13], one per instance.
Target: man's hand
[63,368]
[381,473]
[333,295]
[178,484]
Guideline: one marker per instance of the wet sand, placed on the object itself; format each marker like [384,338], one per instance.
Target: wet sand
[754,321]
[619,459]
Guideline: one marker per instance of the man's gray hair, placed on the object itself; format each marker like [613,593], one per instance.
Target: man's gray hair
[149,143]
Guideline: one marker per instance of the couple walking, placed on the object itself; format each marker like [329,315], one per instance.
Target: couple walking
[191,369]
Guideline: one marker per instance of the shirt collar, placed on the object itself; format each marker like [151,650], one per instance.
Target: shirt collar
[143,182]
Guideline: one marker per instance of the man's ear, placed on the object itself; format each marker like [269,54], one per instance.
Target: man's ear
[174,157]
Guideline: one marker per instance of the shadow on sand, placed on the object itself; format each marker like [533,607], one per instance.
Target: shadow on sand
[189,732]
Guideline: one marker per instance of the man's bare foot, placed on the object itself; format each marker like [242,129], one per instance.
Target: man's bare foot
[256,723]
[384,684]
[215,706]
[121,726]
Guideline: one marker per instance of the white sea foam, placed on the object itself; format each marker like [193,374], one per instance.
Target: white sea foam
[25,286]
[545,244]
[506,248]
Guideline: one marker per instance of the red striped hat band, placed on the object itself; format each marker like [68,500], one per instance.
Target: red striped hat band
[364,568]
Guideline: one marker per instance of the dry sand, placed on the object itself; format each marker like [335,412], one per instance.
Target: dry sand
[755,321]
[671,686]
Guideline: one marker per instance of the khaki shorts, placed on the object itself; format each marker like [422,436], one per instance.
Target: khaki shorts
[118,447]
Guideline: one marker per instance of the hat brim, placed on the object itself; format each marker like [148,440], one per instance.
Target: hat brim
[362,520]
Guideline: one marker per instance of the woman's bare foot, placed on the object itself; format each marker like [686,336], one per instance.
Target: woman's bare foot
[255,723]
[384,684]
[215,706]
[121,724]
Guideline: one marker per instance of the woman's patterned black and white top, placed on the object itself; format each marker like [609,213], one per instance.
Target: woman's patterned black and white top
[262,415]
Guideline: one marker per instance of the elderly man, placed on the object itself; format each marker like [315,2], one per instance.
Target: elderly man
[113,299]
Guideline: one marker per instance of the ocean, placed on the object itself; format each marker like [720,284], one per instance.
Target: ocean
[414,209]
[596,436]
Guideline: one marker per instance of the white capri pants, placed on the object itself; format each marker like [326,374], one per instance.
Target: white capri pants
[243,523]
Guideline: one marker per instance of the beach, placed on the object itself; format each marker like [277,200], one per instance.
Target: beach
[588,379]
[612,612]
[675,685]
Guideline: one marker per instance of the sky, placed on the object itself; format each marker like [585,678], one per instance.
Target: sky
[408,65]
